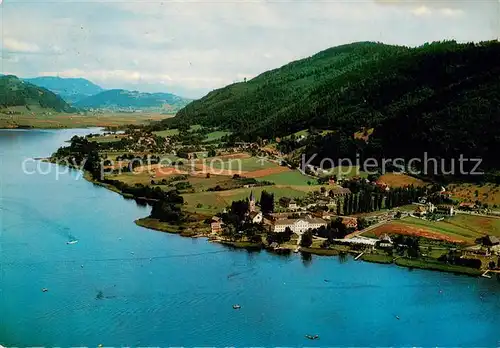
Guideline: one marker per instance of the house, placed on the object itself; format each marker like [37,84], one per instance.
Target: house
[423,210]
[255,217]
[298,225]
[385,241]
[445,209]
[288,203]
[488,241]
[382,185]
[339,192]
[350,222]
[467,206]
[216,224]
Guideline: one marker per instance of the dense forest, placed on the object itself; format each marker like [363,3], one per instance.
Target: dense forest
[15,92]
[442,98]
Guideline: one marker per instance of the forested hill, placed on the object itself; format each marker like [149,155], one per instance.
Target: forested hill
[361,84]
[285,99]
[16,92]
[442,98]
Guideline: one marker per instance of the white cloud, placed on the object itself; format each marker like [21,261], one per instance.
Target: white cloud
[191,47]
[15,45]
[421,11]
[451,12]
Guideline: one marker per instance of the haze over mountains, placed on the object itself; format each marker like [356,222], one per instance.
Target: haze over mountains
[70,89]
[84,94]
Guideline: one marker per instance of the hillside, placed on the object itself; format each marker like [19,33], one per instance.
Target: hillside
[119,99]
[70,89]
[280,101]
[443,98]
[14,92]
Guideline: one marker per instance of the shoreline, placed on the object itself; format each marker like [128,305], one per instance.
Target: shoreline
[188,231]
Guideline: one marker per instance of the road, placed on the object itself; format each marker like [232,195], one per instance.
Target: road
[369,228]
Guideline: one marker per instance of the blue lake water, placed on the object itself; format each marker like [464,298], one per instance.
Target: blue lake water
[123,285]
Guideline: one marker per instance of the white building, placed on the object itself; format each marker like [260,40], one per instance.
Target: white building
[255,217]
[298,225]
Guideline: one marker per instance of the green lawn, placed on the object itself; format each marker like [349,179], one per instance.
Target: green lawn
[290,178]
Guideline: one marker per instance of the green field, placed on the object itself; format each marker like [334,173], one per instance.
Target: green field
[167,133]
[347,172]
[466,227]
[216,135]
[290,178]
[41,118]
[436,266]
[105,139]
[171,132]
[201,184]
[245,164]
[214,202]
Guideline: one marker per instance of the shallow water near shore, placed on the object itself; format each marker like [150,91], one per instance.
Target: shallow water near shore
[123,285]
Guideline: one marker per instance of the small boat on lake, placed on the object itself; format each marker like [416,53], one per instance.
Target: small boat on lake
[72,242]
[236,306]
[45,290]
[311,337]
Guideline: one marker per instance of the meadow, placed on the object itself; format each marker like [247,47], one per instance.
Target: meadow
[290,178]
[401,180]
[462,227]
[467,192]
[42,119]
[215,202]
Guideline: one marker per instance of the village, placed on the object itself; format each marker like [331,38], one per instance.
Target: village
[251,195]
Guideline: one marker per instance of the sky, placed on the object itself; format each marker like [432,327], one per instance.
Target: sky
[192,47]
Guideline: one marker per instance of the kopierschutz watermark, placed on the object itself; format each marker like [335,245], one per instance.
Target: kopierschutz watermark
[163,167]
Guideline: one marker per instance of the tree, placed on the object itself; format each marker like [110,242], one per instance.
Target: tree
[211,152]
[306,239]
[267,202]
[362,223]
[239,209]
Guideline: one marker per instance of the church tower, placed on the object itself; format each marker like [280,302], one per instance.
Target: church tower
[251,202]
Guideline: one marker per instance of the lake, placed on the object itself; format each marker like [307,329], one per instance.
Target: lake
[123,285]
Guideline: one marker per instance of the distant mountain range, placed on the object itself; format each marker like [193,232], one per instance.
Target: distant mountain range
[70,89]
[85,94]
[120,99]
[15,92]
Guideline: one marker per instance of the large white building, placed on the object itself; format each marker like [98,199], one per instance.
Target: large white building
[298,225]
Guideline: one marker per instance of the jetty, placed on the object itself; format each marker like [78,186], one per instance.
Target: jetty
[357,257]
